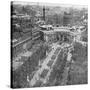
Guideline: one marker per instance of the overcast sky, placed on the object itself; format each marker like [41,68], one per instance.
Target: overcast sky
[50,4]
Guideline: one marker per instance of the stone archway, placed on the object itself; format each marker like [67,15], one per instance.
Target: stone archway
[64,37]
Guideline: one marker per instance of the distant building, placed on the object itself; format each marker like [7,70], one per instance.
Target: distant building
[67,19]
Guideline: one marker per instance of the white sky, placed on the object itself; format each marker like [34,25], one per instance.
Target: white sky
[76,5]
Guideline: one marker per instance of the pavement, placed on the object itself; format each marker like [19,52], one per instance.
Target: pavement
[43,73]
